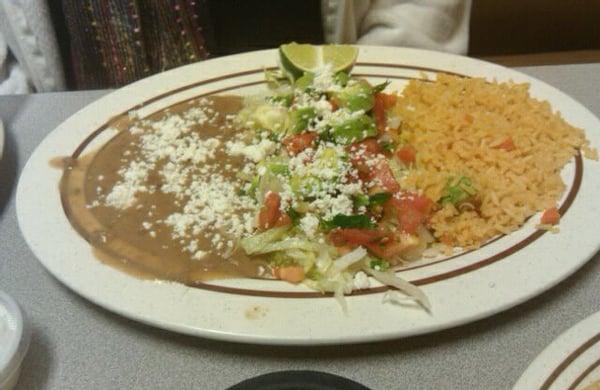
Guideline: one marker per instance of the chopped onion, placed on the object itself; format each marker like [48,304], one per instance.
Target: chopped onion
[390,279]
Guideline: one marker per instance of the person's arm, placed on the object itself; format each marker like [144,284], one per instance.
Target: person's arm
[34,59]
[12,78]
[428,24]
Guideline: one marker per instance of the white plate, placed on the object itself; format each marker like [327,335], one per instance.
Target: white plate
[462,289]
[572,361]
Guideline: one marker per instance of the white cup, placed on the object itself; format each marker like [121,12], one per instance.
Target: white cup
[14,341]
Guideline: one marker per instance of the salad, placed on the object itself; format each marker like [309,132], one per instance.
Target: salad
[324,158]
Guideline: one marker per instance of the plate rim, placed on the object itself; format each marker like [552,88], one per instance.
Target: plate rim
[549,365]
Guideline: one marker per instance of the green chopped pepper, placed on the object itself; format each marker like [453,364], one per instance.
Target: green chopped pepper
[300,118]
[380,87]
[388,146]
[379,198]
[341,78]
[379,265]
[354,130]
[356,96]
[361,200]
[457,191]
[305,81]
[294,215]
[276,165]
[284,100]
[348,221]
[373,200]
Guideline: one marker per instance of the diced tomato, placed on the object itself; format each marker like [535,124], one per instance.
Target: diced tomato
[334,104]
[291,273]
[407,154]
[342,250]
[507,144]
[283,220]
[383,101]
[379,114]
[422,203]
[363,151]
[380,171]
[351,178]
[370,146]
[383,172]
[385,250]
[410,220]
[364,171]
[269,214]
[551,216]
[389,100]
[411,210]
[297,143]
[364,174]
[354,237]
[447,239]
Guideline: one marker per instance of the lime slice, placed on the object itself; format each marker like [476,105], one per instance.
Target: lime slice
[299,58]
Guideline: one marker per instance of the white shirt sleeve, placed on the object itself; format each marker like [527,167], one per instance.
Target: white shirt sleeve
[428,24]
[12,78]
[31,48]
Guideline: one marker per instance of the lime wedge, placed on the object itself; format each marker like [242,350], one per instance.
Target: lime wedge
[299,58]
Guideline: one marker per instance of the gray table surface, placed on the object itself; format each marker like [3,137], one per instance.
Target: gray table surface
[78,345]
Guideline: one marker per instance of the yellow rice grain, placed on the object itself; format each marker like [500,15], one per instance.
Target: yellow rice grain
[456,124]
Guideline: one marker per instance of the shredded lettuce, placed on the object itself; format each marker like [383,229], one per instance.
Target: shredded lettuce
[267,182]
[342,263]
[391,279]
[290,110]
[397,169]
[289,243]
[255,244]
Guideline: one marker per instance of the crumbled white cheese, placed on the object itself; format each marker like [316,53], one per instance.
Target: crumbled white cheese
[213,206]
[169,138]
[309,225]
[329,206]
[361,281]
[254,152]
[323,80]
[124,191]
